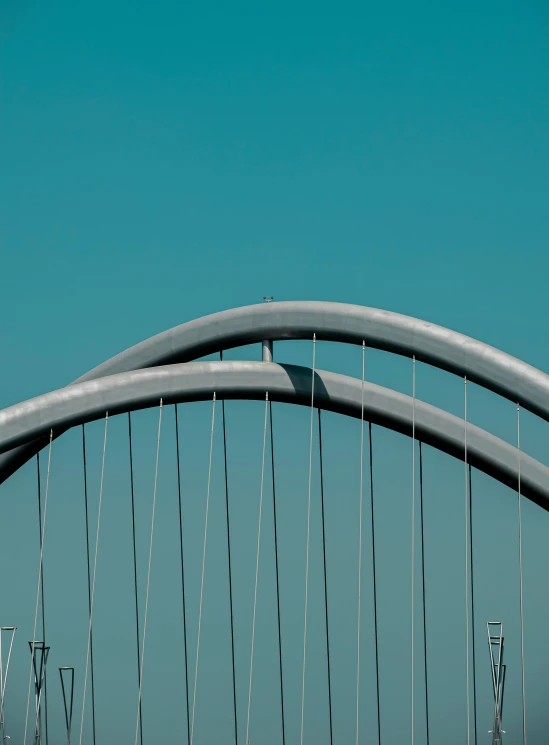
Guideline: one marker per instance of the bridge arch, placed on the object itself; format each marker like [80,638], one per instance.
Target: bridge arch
[165,367]
[198,381]
[339,322]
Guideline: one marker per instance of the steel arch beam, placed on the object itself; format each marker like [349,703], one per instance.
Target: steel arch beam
[339,322]
[197,381]
[380,329]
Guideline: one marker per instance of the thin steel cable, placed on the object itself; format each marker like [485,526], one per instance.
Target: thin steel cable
[183,597]
[92,666]
[277,577]
[2,690]
[360,500]
[257,565]
[229,563]
[413,562]
[42,595]
[135,590]
[330,719]
[308,542]
[374,579]
[40,564]
[521,584]
[94,576]
[203,567]
[423,594]
[466,502]
[472,606]
[146,613]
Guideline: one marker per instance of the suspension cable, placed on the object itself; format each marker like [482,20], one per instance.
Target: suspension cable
[472,607]
[136,594]
[229,564]
[40,565]
[423,594]
[308,542]
[137,722]
[277,577]
[466,502]
[203,566]
[42,594]
[374,578]
[325,576]
[521,583]
[92,666]
[94,574]
[257,563]
[183,601]
[360,544]
[413,562]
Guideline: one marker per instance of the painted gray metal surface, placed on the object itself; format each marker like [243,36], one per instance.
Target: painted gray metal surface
[198,381]
[353,324]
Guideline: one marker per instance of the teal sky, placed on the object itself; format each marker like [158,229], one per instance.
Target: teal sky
[164,161]
[167,160]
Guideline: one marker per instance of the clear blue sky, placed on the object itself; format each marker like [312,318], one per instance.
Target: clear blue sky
[166,160]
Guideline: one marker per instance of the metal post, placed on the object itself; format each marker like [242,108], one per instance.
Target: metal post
[267,345]
[495,646]
[40,650]
[267,350]
[3,680]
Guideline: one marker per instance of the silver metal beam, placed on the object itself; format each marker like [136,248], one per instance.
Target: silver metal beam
[353,324]
[197,381]
[380,329]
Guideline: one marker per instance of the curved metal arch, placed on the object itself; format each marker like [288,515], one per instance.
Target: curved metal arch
[339,322]
[198,381]
[380,329]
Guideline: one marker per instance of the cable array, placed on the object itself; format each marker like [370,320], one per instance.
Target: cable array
[181,555]
[467,590]
[43,596]
[257,564]
[413,561]
[374,580]
[39,584]
[87,517]
[275,536]
[229,564]
[308,542]
[360,500]
[423,593]
[138,719]
[135,589]
[203,567]
[94,574]
[326,614]
[519,503]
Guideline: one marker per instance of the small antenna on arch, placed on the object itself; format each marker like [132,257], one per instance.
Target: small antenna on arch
[268,299]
